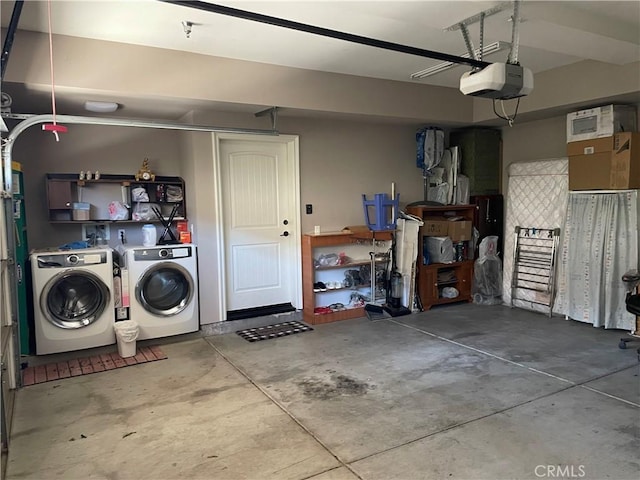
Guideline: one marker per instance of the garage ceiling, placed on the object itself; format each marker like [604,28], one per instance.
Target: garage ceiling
[552,33]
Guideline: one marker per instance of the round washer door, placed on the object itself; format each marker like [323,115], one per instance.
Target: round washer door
[74,299]
[165,289]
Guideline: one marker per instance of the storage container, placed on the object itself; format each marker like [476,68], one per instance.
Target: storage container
[82,211]
[440,249]
[149,235]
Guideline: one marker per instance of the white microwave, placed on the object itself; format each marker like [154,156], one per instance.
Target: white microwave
[600,122]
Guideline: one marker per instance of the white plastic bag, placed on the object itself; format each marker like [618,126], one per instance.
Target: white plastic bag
[139,194]
[117,211]
[450,292]
[143,212]
[127,330]
[487,274]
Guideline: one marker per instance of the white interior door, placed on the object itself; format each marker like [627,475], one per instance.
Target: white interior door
[261,225]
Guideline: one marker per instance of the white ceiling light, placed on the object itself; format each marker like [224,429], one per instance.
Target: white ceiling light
[442,67]
[100,107]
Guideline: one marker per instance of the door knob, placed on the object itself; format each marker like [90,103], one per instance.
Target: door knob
[285,234]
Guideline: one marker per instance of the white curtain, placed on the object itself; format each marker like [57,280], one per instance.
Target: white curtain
[407,235]
[600,244]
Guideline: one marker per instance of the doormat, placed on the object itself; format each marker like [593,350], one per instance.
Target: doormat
[273,331]
[87,365]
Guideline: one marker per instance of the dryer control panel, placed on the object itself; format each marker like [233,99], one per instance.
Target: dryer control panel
[162,253]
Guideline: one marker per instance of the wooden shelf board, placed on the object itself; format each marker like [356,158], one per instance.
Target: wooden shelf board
[113,221]
[346,265]
[444,301]
[347,314]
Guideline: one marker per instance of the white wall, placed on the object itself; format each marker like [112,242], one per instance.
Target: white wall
[197,150]
[531,141]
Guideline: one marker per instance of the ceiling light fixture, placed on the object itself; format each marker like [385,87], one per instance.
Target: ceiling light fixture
[442,67]
[100,107]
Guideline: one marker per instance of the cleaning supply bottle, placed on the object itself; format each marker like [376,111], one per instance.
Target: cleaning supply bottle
[149,235]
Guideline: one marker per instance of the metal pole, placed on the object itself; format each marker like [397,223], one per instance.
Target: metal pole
[31,120]
[8,41]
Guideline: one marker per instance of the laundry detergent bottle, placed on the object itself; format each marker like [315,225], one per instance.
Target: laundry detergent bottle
[149,235]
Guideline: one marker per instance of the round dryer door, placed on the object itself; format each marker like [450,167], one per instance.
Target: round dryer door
[74,299]
[165,289]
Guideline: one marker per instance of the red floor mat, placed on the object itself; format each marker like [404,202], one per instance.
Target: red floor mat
[87,365]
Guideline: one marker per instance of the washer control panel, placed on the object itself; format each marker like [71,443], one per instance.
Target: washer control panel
[76,259]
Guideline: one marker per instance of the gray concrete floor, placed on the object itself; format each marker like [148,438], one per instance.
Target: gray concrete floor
[461,391]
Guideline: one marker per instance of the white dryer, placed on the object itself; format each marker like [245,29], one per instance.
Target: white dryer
[73,299]
[163,286]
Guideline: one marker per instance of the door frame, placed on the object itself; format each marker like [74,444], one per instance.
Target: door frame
[293,151]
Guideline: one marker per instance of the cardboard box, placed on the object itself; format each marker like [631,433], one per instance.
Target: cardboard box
[601,122]
[460,231]
[435,227]
[610,163]
[182,226]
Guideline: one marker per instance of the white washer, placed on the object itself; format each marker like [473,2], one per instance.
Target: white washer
[73,299]
[163,285]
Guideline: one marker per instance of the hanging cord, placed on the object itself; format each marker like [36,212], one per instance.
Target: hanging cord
[54,128]
[506,117]
[53,88]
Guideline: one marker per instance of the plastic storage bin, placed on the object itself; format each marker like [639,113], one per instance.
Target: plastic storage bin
[82,211]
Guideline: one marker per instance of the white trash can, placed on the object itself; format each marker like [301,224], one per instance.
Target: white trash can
[126,335]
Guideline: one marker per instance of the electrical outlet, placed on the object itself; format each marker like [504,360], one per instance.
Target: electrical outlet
[122,235]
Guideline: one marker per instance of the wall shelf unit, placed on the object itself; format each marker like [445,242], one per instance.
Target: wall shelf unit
[65,189]
[433,278]
[357,247]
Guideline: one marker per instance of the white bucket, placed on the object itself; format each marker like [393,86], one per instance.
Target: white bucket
[126,335]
